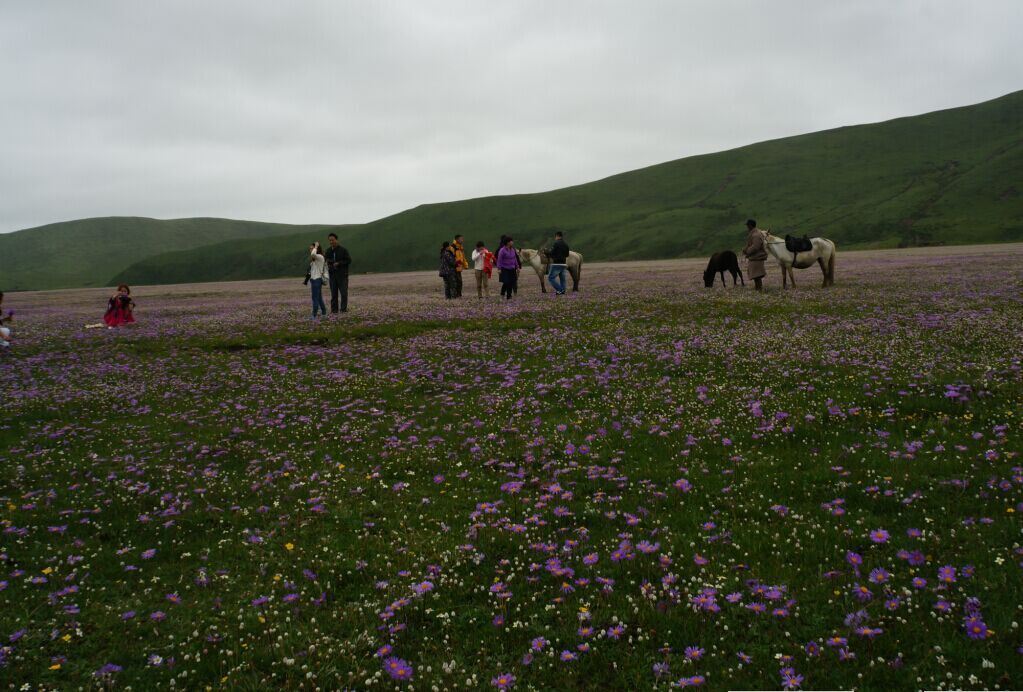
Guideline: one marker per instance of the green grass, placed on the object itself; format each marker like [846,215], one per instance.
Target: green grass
[243,430]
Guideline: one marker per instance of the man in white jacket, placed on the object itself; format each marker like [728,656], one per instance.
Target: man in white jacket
[482,267]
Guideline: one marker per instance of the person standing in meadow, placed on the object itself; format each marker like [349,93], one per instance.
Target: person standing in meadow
[518,260]
[317,276]
[756,254]
[483,263]
[559,264]
[5,332]
[338,261]
[447,269]
[508,265]
[458,248]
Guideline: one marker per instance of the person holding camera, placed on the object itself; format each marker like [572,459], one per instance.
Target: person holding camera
[316,276]
[338,261]
[120,308]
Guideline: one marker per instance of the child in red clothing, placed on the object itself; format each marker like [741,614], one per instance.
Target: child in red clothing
[119,308]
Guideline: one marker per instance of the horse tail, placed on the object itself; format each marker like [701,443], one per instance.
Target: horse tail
[578,273]
[831,264]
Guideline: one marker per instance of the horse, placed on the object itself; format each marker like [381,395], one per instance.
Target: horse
[822,252]
[721,262]
[541,264]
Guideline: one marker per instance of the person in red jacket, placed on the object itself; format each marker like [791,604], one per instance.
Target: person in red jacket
[120,308]
[483,264]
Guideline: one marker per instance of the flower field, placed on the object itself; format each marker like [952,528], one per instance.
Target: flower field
[645,485]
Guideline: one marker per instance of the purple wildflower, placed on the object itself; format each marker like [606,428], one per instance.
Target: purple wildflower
[504,681]
[398,668]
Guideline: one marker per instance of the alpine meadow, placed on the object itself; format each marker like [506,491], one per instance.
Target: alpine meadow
[647,482]
[750,418]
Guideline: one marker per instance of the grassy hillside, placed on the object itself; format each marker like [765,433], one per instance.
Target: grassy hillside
[233,261]
[948,177]
[89,252]
[952,176]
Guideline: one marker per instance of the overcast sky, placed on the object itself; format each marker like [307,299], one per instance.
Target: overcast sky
[338,112]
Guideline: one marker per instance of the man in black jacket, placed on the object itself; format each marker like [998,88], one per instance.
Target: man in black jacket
[338,260]
[559,264]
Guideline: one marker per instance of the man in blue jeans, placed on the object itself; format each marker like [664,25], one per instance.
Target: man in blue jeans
[559,264]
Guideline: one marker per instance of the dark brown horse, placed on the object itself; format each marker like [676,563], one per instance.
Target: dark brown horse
[721,262]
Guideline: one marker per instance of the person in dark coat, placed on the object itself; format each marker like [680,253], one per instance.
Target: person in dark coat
[559,264]
[338,261]
[447,270]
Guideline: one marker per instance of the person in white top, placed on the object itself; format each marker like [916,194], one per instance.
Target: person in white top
[5,332]
[317,277]
[483,264]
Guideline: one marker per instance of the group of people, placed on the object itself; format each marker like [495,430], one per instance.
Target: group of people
[330,268]
[507,262]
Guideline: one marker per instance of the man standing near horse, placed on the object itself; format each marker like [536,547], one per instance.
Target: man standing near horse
[559,264]
[458,247]
[756,254]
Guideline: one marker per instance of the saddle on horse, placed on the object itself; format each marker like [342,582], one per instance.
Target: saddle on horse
[794,244]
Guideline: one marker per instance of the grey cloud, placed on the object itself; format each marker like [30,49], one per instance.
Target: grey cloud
[349,111]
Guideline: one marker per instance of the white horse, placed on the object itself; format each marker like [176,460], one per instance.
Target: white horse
[541,264]
[823,253]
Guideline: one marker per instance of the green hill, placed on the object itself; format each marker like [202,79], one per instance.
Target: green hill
[269,258]
[948,177]
[88,252]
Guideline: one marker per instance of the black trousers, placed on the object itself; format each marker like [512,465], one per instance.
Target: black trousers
[338,287]
[449,286]
[458,284]
[509,282]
